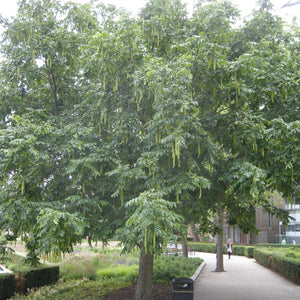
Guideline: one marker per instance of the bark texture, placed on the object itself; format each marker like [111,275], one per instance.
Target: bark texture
[145,278]
[195,236]
[220,263]
[184,245]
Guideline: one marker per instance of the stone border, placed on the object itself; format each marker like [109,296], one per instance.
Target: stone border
[198,271]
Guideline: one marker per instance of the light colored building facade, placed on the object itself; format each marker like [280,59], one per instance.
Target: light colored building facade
[292,231]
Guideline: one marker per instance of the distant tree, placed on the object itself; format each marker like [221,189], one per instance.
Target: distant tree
[237,73]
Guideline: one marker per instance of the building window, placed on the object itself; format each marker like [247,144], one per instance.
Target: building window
[296,200]
[237,235]
[293,227]
[270,220]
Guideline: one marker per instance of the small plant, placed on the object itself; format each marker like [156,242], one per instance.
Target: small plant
[124,272]
[4,249]
[75,289]
[166,267]
[79,268]
[31,257]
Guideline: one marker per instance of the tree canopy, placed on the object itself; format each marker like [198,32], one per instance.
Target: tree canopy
[114,123]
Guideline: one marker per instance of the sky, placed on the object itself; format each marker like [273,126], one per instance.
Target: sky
[8,8]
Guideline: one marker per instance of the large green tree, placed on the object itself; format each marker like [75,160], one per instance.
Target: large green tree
[52,155]
[140,126]
[244,70]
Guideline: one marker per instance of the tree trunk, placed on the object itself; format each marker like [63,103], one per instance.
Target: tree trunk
[195,236]
[220,263]
[184,245]
[145,278]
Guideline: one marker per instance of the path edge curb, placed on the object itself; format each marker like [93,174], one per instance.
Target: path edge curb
[198,271]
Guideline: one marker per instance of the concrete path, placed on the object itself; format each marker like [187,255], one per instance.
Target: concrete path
[243,279]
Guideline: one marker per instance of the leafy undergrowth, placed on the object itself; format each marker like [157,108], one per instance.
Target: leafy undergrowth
[94,277]
[166,268]
[79,267]
[76,289]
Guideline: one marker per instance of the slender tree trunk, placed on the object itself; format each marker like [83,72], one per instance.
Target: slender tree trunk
[145,278]
[195,236]
[220,263]
[184,245]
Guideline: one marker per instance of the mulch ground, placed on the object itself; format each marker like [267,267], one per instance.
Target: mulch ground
[160,292]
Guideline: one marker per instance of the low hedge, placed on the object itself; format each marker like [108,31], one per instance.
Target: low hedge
[243,250]
[297,246]
[211,248]
[25,277]
[7,285]
[287,266]
[203,247]
[168,267]
[39,276]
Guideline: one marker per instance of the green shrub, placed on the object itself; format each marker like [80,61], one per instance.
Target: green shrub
[266,245]
[165,269]
[249,251]
[7,284]
[203,247]
[211,248]
[36,277]
[41,276]
[128,273]
[122,272]
[27,277]
[4,249]
[287,266]
[243,250]
[168,267]
[14,262]
[292,253]
[75,289]
[107,250]
[79,268]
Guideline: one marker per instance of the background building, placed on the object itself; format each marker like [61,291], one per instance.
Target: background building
[271,229]
[293,229]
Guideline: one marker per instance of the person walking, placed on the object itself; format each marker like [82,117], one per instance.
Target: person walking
[229,248]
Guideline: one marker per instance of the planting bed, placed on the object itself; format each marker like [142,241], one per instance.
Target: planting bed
[160,292]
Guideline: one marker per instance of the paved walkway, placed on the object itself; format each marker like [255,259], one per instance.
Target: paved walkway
[243,279]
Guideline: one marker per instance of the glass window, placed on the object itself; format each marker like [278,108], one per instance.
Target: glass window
[237,235]
[291,227]
[231,236]
[297,227]
[270,220]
